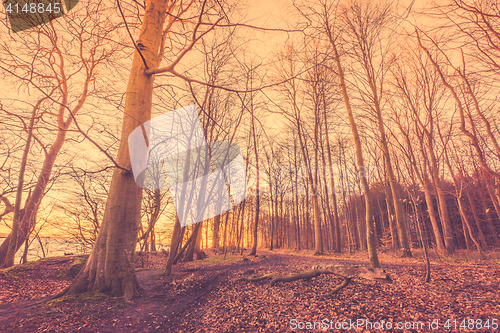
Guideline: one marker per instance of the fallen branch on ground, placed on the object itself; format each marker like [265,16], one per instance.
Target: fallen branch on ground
[346,272]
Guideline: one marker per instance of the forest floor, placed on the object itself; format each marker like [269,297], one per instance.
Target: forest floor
[204,296]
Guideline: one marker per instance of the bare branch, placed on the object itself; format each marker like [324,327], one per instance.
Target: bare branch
[130,34]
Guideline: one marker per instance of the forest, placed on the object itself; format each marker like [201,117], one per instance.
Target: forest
[363,136]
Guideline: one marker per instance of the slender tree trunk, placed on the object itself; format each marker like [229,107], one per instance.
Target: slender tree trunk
[466,234]
[396,200]
[318,241]
[382,221]
[27,222]
[424,245]
[491,193]
[175,243]
[318,235]
[443,210]
[472,205]
[224,240]
[458,196]
[206,236]
[492,230]
[215,235]
[25,252]
[432,216]
[297,222]
[465,219]
[344,201]
[241,237]
[282,222]
[361,233]
[257,195]
[14,239]
[272,215]
[193,244]
[152,246]
[370,232]
[390,215]
[336,236]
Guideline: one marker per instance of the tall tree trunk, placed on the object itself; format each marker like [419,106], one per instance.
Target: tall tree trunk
[110,266]
[224,240]
[282,223]
[492,230]
[194,243]
[370,232]
[491,193]
[472,205]
[241,242]
[458,196]
[426,130]
[257,196]
[344,201]
[318,235]
[14,239]
[272,214]
[215,235]
[390,215]
[28,220]
[336,236]
[297,222]
[465,219]
[432,216]
[152,246]
[443,209]
[396,200]
[466,234]
[424,243]
[318,241]
[312,179]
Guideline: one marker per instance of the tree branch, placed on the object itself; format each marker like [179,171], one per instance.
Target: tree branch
[170,68]
[130,34]
[346,272]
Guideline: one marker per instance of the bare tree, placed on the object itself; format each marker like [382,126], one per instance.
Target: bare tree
[328,27]
[370,27]
[289,71]
[85,204]
[422,99]
[48,67]
[110,265]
